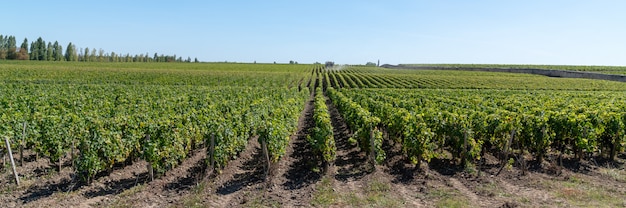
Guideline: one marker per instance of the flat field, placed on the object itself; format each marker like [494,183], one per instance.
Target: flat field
[278,135]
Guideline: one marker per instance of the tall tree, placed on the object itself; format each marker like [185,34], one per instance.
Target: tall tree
[113,57]
[80,55]
[34,51]
[58,51]
[12,46]
[3,48]
[50,52]
[70,53]
[25,45]
[43,51]
[92,55]
[101,55]
[86,54]
[22,54]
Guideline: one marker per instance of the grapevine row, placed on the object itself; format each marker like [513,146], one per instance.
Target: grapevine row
[322,139]
[371,77]
[361,122]
[108,124]
[459,121]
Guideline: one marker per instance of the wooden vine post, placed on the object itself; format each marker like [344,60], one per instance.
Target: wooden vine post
[464,152]
[541,153]
[267,156]
[506,152]
[372,151]
[520,157]
[212,153]
[60,164]
[22,144]
[17,178]
[72,154]
[149,166]
[508,145]
[614,147]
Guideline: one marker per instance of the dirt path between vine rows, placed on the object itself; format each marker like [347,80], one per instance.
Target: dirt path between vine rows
[292,182]
[39,180]
[351,163]
[43,186]
[164,190]
[241,177]
[243,183]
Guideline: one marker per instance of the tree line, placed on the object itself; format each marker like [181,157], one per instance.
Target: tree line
[41,50]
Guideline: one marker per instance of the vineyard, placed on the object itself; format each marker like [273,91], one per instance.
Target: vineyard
[245,125]
[620,70]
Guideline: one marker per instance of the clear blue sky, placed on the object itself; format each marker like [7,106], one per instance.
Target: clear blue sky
[580,32]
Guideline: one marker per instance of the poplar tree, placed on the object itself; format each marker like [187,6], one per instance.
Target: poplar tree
[38,50]
[92,55]
[24,45]
[70,53]
[34,51]
[23,53]
[3,49]
[12,46]
[50,52]
[58,51]
[113,57]
[101,55]
[86,54]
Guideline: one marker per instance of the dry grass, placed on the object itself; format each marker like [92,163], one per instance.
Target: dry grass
[376,194]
